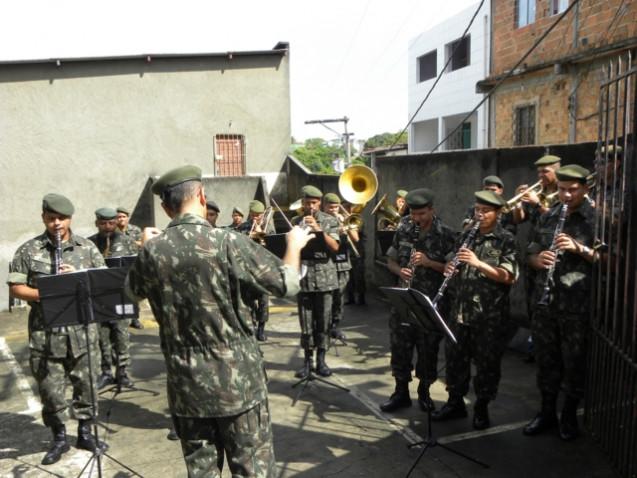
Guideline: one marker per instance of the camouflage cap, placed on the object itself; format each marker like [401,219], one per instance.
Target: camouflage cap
[105,213]
[489,198]
[492,180]
[332,198]
[58,204]
[312,192]
[257,207]
[401,193]
[176,176]
[573,172]
[123,210]
[210,204]
[419,198]
[547,160]
[237,210]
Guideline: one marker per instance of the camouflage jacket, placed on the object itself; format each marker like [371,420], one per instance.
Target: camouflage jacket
[36,258]
[321,271]
[437,243]
[120,245]
[134,232]
[194,276]
[342,257]
[476,297]
[571,286]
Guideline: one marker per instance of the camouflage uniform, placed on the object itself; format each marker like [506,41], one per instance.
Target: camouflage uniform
[356,284]
[114,333]
[343,268]
[132,231]
[437,243]
[478,317]
[315,298]
[61,352]
[193,276]
[560,331]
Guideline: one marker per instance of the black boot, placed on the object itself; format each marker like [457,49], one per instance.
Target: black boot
[454,408]
[307,366]
[123,379]
[105,378]
[569,430]
[399,399]
[260,334]
[85,440]
[545,419]
[424,399]
[321,367]
[481,414]
[59,446]
[172,435]
[136,324]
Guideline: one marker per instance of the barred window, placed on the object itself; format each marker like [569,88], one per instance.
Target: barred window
[524,128]
[230,155]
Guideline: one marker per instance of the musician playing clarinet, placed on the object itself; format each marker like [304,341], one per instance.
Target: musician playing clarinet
[479,310]
[560,318]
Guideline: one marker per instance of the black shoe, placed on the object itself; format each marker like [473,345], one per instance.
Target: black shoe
[424,399]
[542,422]
[481,415]
[172,435]
[321,367]
[260,333]
[58,448]
[451,410]
[399,399]
[86,440]
[569,430]
[136,324]
[337,334]
[123,379]
[307,366]
[105,379]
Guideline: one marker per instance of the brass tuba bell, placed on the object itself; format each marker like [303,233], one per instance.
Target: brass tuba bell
[358,184]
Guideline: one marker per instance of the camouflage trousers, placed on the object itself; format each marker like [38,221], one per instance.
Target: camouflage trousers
[356,284]
[51,374]
[337,298]
[114,338]
[484,342]
[246,439]
[560,341]
[315,314]
[404,337]
[260,309]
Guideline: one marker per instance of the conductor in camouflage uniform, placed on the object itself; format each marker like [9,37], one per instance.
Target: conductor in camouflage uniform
[193,276]
[430,240]
[59,353]
[479,312]
[315,298]
[113,334]
[560,324]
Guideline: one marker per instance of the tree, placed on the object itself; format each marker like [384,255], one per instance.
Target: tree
[385,140]
[317,155]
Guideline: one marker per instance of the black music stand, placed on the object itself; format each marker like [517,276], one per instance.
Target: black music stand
[276,244]
[83,298]
[384,239]
[427,317]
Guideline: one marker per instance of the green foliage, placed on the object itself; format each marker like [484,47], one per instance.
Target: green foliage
[317,155]
[385,140]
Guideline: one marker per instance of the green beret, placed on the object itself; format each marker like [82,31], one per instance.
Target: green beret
[492,180]
[105,213]
[489,198]
[257,206]
[573,172]
[236,210]
[176,176]
[547,160]
[401,193]
[311,192]
[331,198]
[58,204]
[611,149]
[419,198]
[210,204]
[123,210]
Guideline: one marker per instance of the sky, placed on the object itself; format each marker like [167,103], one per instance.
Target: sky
[347,57]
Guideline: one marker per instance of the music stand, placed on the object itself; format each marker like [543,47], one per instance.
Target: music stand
[427,317]
[83,298]
[385,239]
[276,244]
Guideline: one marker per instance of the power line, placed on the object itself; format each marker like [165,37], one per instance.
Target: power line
[510,73]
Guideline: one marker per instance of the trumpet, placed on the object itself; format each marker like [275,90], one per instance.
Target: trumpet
[515,200]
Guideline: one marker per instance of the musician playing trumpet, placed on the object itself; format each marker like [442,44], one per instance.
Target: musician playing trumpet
[479,311]
[560,324]
[537,201]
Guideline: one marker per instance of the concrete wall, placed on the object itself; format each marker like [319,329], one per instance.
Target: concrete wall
[96,131]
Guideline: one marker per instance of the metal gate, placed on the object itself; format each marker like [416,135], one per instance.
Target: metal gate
[611,402]
[230,155]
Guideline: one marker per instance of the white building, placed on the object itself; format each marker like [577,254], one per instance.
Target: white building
[455,94]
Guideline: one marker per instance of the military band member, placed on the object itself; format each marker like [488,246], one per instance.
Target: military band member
[430,240]
[560,328]
[212,212]
[237,218]
[534,204]
[193,275]
[401,203]
[479,312]
[125,227]
[495,184]
[315,298]
[59,353]
[254,228]
[356,286]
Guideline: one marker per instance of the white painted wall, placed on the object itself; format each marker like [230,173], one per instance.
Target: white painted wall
[455,92]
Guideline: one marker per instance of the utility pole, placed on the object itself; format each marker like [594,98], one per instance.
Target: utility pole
[346,135]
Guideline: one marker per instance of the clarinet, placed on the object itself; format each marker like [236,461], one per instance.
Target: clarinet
[544,299]
[455,262]
[406,283]
[58,251]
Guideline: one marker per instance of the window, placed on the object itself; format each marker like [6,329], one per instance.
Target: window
[524,128]
[525,12]
[558,6]
[230,155]
[459,51]
[461,138]
[427,66]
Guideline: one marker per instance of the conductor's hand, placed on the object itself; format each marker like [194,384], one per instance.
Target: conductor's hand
[150,233]
[405,274]
[298,237]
